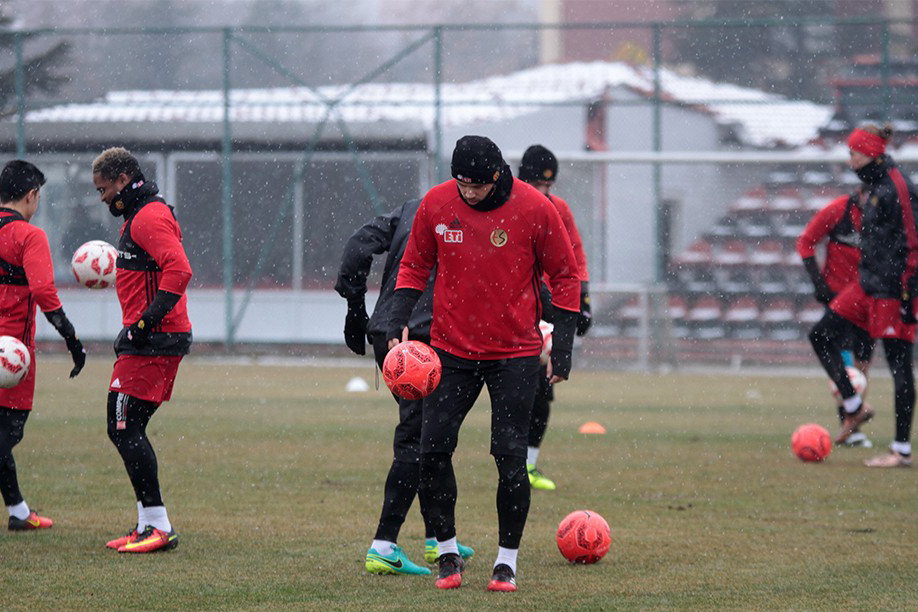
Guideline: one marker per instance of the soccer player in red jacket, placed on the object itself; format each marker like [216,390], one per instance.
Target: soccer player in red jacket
[153,273]
[26,280]
[839,225]
[491,237]
[539,168]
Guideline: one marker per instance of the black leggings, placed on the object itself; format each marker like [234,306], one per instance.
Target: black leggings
[12,424]
[127,429]
[541,408]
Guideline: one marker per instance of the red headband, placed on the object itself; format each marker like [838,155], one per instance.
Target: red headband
[864,142]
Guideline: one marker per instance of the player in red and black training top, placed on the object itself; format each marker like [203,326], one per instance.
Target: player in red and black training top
[153,273]
[539,168]
[839,224]
[491,237]
[882,301]
[26,280]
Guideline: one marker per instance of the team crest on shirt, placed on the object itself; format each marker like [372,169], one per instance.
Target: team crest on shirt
[499,237]
[874,200]
[450,236]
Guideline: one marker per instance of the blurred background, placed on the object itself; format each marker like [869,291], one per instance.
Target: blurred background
[696,139]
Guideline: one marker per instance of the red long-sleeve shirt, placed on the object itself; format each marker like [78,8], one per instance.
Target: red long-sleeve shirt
[26,246]
[567,217]
[489,266]
[843,254]
[155,230]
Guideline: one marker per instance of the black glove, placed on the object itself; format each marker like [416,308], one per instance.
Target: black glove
[822,293]
[64,327]
[906,310]
[585,319]
[139,332]
[355,326]
[77,353]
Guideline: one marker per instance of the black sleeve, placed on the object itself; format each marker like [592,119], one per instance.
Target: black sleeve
[403,302]
[548,311]
[61,323]
[163,302]
[562,341]
[372,239]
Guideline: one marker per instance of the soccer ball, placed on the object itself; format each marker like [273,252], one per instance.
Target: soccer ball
[411,370]
[583,537]
[858,381]
[93,264]
[811,442]
[15,360]
[546,329]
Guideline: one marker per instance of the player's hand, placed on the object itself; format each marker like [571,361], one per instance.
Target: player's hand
[77,353]
[585,318]
[394,342]
[139,332]
[823,294]
[560,365]
[355,327]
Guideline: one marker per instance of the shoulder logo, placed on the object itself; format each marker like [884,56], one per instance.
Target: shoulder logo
[499,237]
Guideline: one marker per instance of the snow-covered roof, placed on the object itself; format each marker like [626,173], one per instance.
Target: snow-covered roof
[760,119]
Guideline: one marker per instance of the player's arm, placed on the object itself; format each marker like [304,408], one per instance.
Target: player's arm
[585,318]
[156,232]
[814,232]
[413,274]
[372,239]
[36,260]
[556,256]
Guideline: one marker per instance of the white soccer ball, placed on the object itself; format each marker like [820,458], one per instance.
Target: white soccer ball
[858,381]
[546,329]
[93,264]
[15,361]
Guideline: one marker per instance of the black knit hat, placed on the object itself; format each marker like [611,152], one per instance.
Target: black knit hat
[476,159]
[538,164]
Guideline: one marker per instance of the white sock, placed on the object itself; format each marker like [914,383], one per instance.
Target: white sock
[852,404]
[383,547]
[447,546]
[157,518]
[507,556]
[903,448]
[20,510]
[532,455]
[141,518]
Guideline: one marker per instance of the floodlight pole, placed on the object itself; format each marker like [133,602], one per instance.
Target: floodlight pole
[20,97]
[438,104]
[659,250]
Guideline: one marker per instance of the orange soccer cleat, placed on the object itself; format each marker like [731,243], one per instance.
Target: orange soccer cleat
[123,540]
[31,522]
[450,575]
[151,540]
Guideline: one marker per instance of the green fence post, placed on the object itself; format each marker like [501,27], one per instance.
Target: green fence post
[227,194]
[20,97]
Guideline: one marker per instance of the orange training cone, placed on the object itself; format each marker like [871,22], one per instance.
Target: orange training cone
[592,427]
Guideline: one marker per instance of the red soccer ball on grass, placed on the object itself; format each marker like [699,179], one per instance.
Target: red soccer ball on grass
[811,442]
[583,537]
[411,370]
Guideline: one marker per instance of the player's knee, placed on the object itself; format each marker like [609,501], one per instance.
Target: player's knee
[511,469]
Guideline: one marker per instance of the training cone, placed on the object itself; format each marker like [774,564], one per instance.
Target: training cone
[592,427]
[357,385]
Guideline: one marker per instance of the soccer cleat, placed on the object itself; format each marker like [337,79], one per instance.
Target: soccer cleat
[538,480]
[858,440]
[503,579]
[123,540]
[891,459]
[450,574]
[430,550]
[853,421]
[29,523]
[395,563]
[151,540]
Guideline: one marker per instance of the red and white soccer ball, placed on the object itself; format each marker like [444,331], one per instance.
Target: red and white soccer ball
[858,381]
[546,329]
[412,370]
[583,537]
[811,442]
[15,361]
[93,264]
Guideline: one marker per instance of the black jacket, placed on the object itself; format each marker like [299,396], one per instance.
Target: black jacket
[885,234]
[387,232]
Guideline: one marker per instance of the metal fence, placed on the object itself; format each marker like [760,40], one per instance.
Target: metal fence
[268,187]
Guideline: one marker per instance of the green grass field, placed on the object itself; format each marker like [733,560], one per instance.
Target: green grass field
[273,478]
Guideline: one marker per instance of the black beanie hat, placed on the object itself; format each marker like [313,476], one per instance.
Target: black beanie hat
[538,164]
[476,159]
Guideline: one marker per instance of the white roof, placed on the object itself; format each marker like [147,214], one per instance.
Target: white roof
[761,119]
